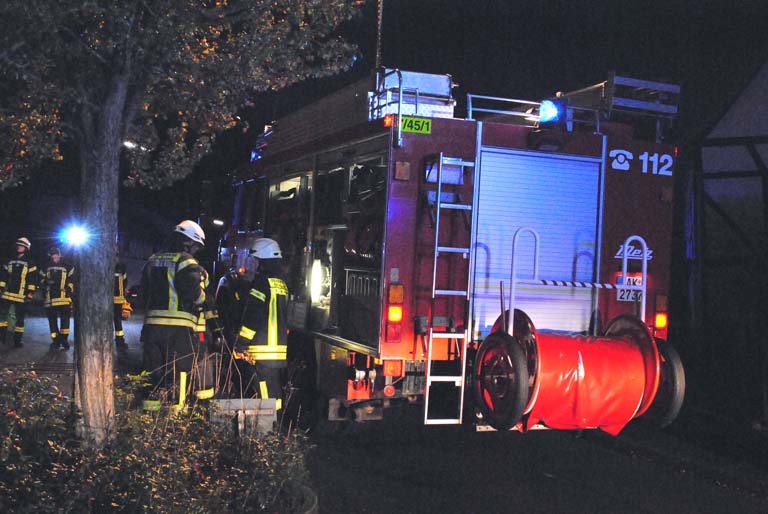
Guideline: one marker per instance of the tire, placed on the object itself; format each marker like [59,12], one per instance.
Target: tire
[501,381]
[671,393]
[525,333]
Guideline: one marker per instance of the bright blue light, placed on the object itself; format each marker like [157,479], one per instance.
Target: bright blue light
[549,111]
[255,155]
[75,235]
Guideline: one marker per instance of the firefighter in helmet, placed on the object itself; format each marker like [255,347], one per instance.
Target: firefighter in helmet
[229,301]
[118,303]
[58,280]
[18,282]
[174,296]
[261,345]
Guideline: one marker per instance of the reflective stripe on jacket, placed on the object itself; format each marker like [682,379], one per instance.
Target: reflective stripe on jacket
[173,291]
[264,319]
[19,278]
[119,284]
[58,280]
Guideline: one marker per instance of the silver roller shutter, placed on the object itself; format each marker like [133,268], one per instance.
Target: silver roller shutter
[556,195]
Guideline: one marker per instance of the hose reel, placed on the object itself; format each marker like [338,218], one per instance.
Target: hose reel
[573,382]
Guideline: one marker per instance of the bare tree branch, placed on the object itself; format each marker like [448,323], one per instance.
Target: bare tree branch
[84,45]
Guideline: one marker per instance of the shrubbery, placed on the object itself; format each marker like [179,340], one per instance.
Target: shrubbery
[153,462]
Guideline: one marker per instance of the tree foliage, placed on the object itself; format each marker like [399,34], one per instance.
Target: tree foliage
[149,84]
[173,71]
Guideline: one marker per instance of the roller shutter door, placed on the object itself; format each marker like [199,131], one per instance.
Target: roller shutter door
[557,196]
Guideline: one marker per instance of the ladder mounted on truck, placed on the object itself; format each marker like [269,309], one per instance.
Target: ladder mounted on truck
[446,202]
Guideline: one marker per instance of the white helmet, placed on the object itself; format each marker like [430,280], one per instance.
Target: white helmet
[265,248]
[192,230]
[23,241]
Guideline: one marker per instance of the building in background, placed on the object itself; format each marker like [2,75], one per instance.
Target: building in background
[726,248]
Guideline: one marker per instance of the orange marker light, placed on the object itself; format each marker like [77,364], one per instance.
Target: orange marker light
[389,120]
[395,313]
[396,293]
[661,320]
[393,368]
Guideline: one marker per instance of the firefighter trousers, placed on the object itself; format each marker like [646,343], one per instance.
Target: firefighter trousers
[117,319]
[170,351]
[58,322]
[259,380]
[20,310]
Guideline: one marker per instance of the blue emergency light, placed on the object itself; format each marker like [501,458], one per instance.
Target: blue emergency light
[550,111]
[75,235]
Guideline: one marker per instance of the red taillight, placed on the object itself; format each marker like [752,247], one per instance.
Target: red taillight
[395,313]
[389,120]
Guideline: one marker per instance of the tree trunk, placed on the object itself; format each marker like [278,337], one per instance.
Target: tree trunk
[94,384]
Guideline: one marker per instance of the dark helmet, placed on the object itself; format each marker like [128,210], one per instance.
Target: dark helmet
[53,250]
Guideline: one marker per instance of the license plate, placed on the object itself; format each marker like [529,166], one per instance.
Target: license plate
[629,295]
[416,125]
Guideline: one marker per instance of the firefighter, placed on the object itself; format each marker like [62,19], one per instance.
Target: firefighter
[209,333]
[261,344]
[229,304]
[58,281]
[118,303]
[230,292]
[174,296]
[18,282]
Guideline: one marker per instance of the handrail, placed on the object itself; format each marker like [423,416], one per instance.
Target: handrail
[573,284]
[513,270]
[624,261]
[533,117]
[471,109]
[382,81]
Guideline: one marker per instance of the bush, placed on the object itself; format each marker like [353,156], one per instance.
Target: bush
[152,462]
[37,443]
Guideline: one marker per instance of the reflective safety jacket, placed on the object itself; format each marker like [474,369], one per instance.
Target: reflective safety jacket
[208,319]
[119,288]
[18,279]
[230,299]
[58,281]
[172,288]
[264,320]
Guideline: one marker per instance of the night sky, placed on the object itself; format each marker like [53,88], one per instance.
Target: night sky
[516,48]
[533,48]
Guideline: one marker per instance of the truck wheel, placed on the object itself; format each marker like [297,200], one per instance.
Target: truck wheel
[525,333]
[501,380]
[671,393]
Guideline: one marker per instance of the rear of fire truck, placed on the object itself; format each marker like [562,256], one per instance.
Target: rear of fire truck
[510,267]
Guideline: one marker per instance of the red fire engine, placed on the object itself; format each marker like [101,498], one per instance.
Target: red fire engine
[410,235]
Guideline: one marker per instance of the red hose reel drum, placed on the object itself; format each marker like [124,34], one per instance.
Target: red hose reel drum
[576,382]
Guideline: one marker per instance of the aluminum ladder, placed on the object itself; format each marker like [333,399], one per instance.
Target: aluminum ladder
[444,203]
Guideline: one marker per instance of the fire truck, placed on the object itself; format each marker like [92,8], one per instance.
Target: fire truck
[509,268]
